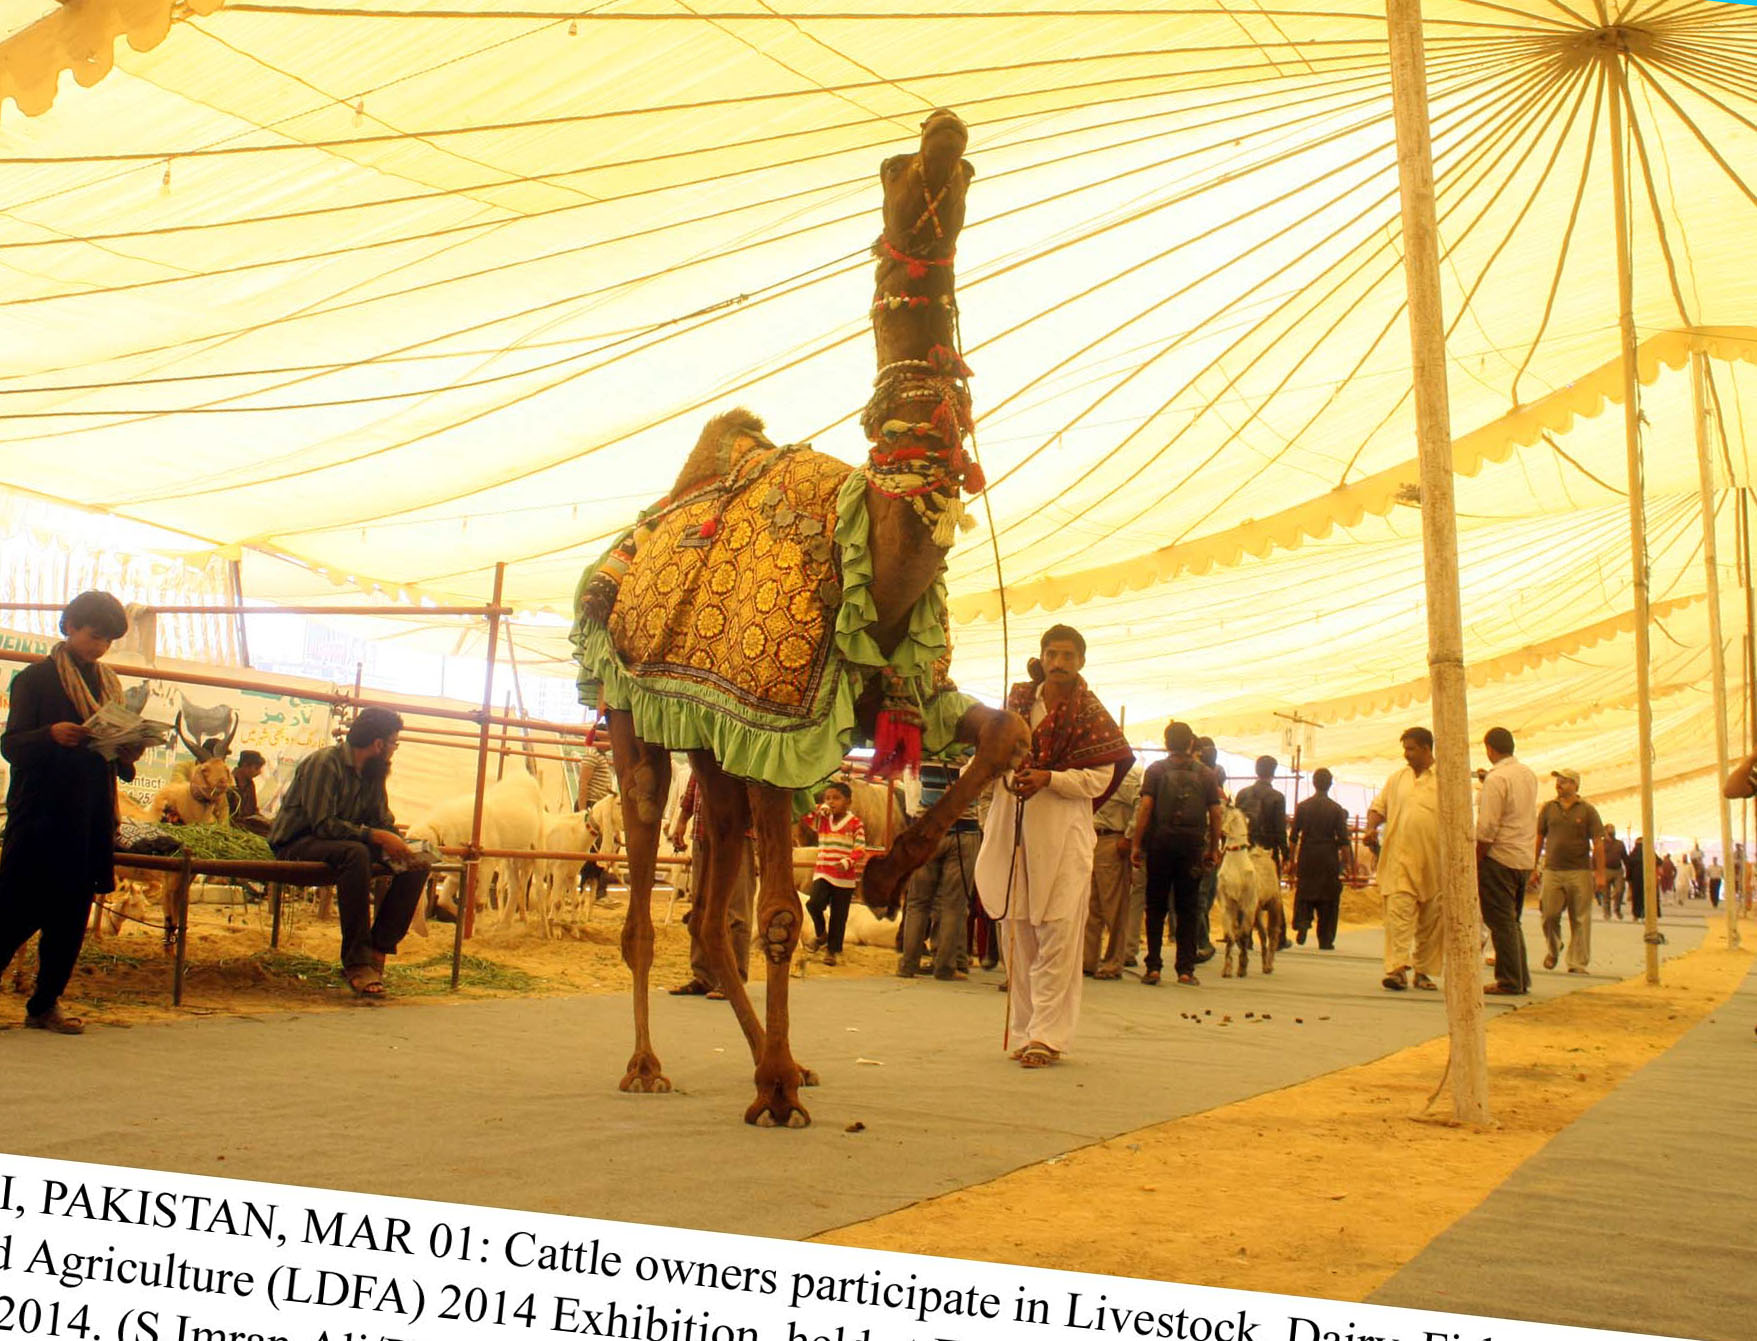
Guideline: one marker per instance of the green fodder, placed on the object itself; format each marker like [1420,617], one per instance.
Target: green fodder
[432,977]
[217,842]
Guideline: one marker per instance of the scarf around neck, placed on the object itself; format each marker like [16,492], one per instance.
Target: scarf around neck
[77,688]
[1075,733]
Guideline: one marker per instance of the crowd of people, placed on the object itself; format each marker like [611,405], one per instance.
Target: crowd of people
[1080,867]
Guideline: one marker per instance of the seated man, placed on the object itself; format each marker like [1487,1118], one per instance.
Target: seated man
[336,812]
[245,812]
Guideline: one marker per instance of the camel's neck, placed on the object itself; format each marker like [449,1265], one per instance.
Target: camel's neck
[916,421]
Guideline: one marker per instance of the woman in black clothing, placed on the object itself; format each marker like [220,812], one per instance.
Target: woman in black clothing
[57,852]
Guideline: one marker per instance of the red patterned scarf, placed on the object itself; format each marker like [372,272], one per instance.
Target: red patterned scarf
[1075,733]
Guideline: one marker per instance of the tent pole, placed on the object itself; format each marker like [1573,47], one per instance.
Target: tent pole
[472,860]
[1717,649]
[1750,733]
[1427,334]
[1637,508]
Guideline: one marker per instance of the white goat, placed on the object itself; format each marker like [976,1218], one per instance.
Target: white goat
[1236,889]
[512,817]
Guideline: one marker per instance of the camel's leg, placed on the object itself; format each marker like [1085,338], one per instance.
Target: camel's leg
[726,823]
[644,774]
[1001,739]
[776,933]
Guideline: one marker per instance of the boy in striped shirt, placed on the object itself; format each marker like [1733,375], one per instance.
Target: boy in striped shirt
[841,852]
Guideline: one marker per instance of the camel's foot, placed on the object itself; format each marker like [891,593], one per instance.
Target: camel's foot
[808,1079]
[777,1100]
[644,1076]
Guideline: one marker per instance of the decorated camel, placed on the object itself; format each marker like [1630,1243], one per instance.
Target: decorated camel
[778,602]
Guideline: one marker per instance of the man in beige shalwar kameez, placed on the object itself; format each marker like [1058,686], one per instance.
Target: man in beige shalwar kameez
[1409,865]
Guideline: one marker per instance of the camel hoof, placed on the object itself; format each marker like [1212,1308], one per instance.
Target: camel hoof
[644,1076]
[808,1077]
[761,1116]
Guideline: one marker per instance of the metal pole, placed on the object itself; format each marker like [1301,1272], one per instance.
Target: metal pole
[505,732]
[1427,335]
[1716,648]
[473,864]
[1637,508]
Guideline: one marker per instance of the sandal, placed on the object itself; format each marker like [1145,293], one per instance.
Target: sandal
[1150,978]
[54,1022]
[1036,1056]
[1425,983]
[1395,982]
[694,987]
[365,981]
[1108,974]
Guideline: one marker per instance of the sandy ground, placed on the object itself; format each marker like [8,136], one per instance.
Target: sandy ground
[1361,1180]
[125,978]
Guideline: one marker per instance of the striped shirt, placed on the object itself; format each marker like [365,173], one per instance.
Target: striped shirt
[841,845]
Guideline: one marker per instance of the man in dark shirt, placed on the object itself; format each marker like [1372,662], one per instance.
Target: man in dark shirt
[58,850]
[336,812]
[245,812]
[1570,852]
[1177,834]
[1266,809]
[1321,845]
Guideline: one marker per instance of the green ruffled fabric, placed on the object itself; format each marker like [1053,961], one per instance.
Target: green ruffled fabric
[683,715]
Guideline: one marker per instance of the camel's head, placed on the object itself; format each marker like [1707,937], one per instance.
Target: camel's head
[924,191]
[210,779]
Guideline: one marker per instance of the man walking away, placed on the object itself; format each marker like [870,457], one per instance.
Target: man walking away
[1506,835]
[1321,848]
[1177,834]
[1616,879]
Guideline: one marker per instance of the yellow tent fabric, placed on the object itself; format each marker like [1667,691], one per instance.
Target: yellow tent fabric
[385,294]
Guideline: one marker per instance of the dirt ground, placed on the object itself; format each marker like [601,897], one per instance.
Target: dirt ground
[1362,1180]
[125,978]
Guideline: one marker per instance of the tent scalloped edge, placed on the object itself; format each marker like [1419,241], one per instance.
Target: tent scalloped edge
[1585,398]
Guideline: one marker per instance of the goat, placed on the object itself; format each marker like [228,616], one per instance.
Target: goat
[1270,919]
[1236,889]
[202,799]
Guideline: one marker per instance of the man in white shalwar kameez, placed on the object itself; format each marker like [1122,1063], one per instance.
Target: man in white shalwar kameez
[1039,883]
[1409,865]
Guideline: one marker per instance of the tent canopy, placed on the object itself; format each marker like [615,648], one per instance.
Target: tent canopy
[386,295]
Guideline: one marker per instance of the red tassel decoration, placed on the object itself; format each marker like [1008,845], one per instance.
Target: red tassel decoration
[896,746]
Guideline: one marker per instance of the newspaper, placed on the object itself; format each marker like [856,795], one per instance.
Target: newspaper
[421,853]
[114,727]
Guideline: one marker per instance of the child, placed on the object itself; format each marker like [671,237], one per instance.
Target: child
[840,855]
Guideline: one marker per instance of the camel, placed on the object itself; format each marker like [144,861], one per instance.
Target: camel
[775,603]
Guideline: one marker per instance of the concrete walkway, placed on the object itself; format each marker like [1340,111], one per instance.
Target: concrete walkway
[1638,1216]
[514,1103]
